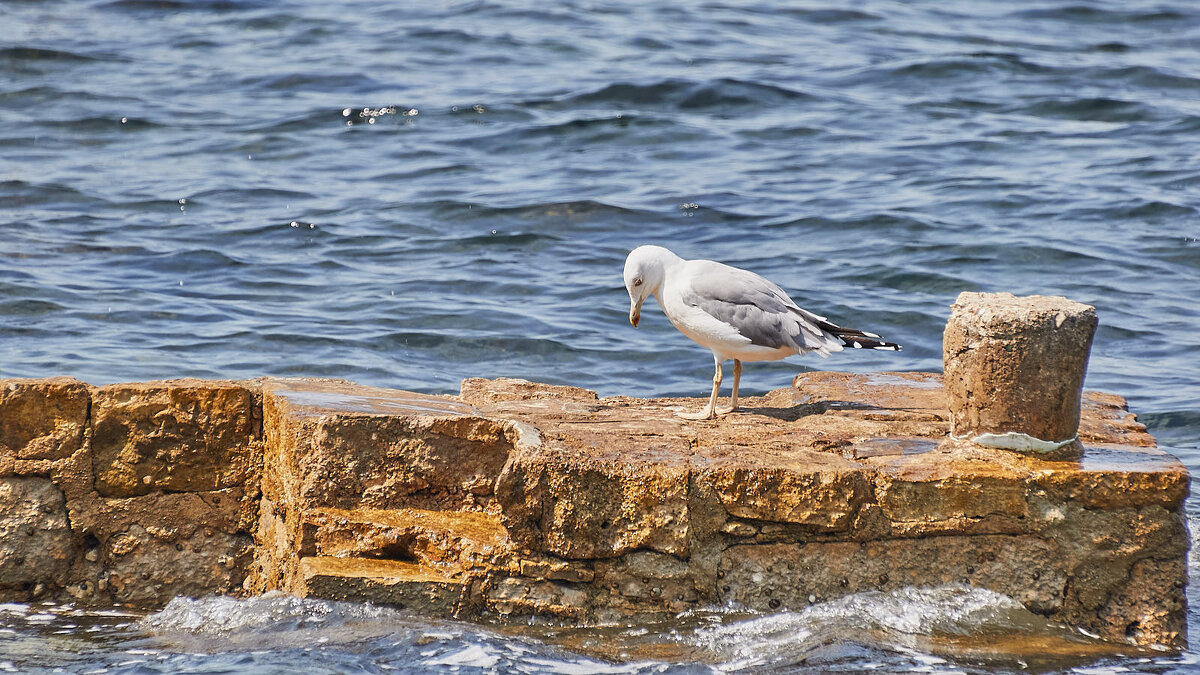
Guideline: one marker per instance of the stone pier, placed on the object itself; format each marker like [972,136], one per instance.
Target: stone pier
[518,499]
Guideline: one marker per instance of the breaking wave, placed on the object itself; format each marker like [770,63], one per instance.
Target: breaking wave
[921,626]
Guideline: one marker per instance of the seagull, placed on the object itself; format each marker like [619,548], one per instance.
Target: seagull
[736,313]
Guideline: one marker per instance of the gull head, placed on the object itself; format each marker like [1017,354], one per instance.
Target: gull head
[645,269]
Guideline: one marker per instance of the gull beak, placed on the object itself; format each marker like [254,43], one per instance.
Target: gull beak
[635,314]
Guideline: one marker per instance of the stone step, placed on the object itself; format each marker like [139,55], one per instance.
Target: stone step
[451,540]
[396,583]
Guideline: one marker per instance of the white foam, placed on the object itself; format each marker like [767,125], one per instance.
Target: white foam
[583,667]
[219,615]
[475,656]
[894,617]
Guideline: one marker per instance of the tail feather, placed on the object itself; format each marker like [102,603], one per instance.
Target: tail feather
[839,331]
[850,337]
[858,340]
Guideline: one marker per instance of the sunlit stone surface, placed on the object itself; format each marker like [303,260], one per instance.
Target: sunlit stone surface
[519,499]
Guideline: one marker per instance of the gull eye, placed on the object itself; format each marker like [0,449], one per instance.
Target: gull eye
[637,282]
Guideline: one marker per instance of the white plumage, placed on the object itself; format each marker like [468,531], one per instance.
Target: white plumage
[735,313]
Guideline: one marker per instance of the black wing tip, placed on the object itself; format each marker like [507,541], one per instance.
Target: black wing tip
[859,342]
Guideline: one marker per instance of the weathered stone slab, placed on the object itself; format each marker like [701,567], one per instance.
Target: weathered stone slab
[179,435]
[525,499]
[337,445]
[147,566]
[645,580]
[1146,608]
[461,539]
[41,419]
[775,576]
[36,543]
[1112,476]
[480,391]
[145,491]
[333,446]
[949,489]
[846,472]
[589,502]
[174,513]
[799,487]
[396,583]
[513,596]
[1106,420]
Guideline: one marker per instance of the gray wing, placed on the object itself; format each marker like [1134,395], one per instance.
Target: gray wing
[757,308]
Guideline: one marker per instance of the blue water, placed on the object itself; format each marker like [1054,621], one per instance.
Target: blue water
[407,194]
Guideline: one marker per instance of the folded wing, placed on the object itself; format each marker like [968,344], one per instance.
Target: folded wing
[759,310]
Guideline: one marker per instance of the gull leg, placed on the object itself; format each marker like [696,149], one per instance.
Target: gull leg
[737,377]
[711,411]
